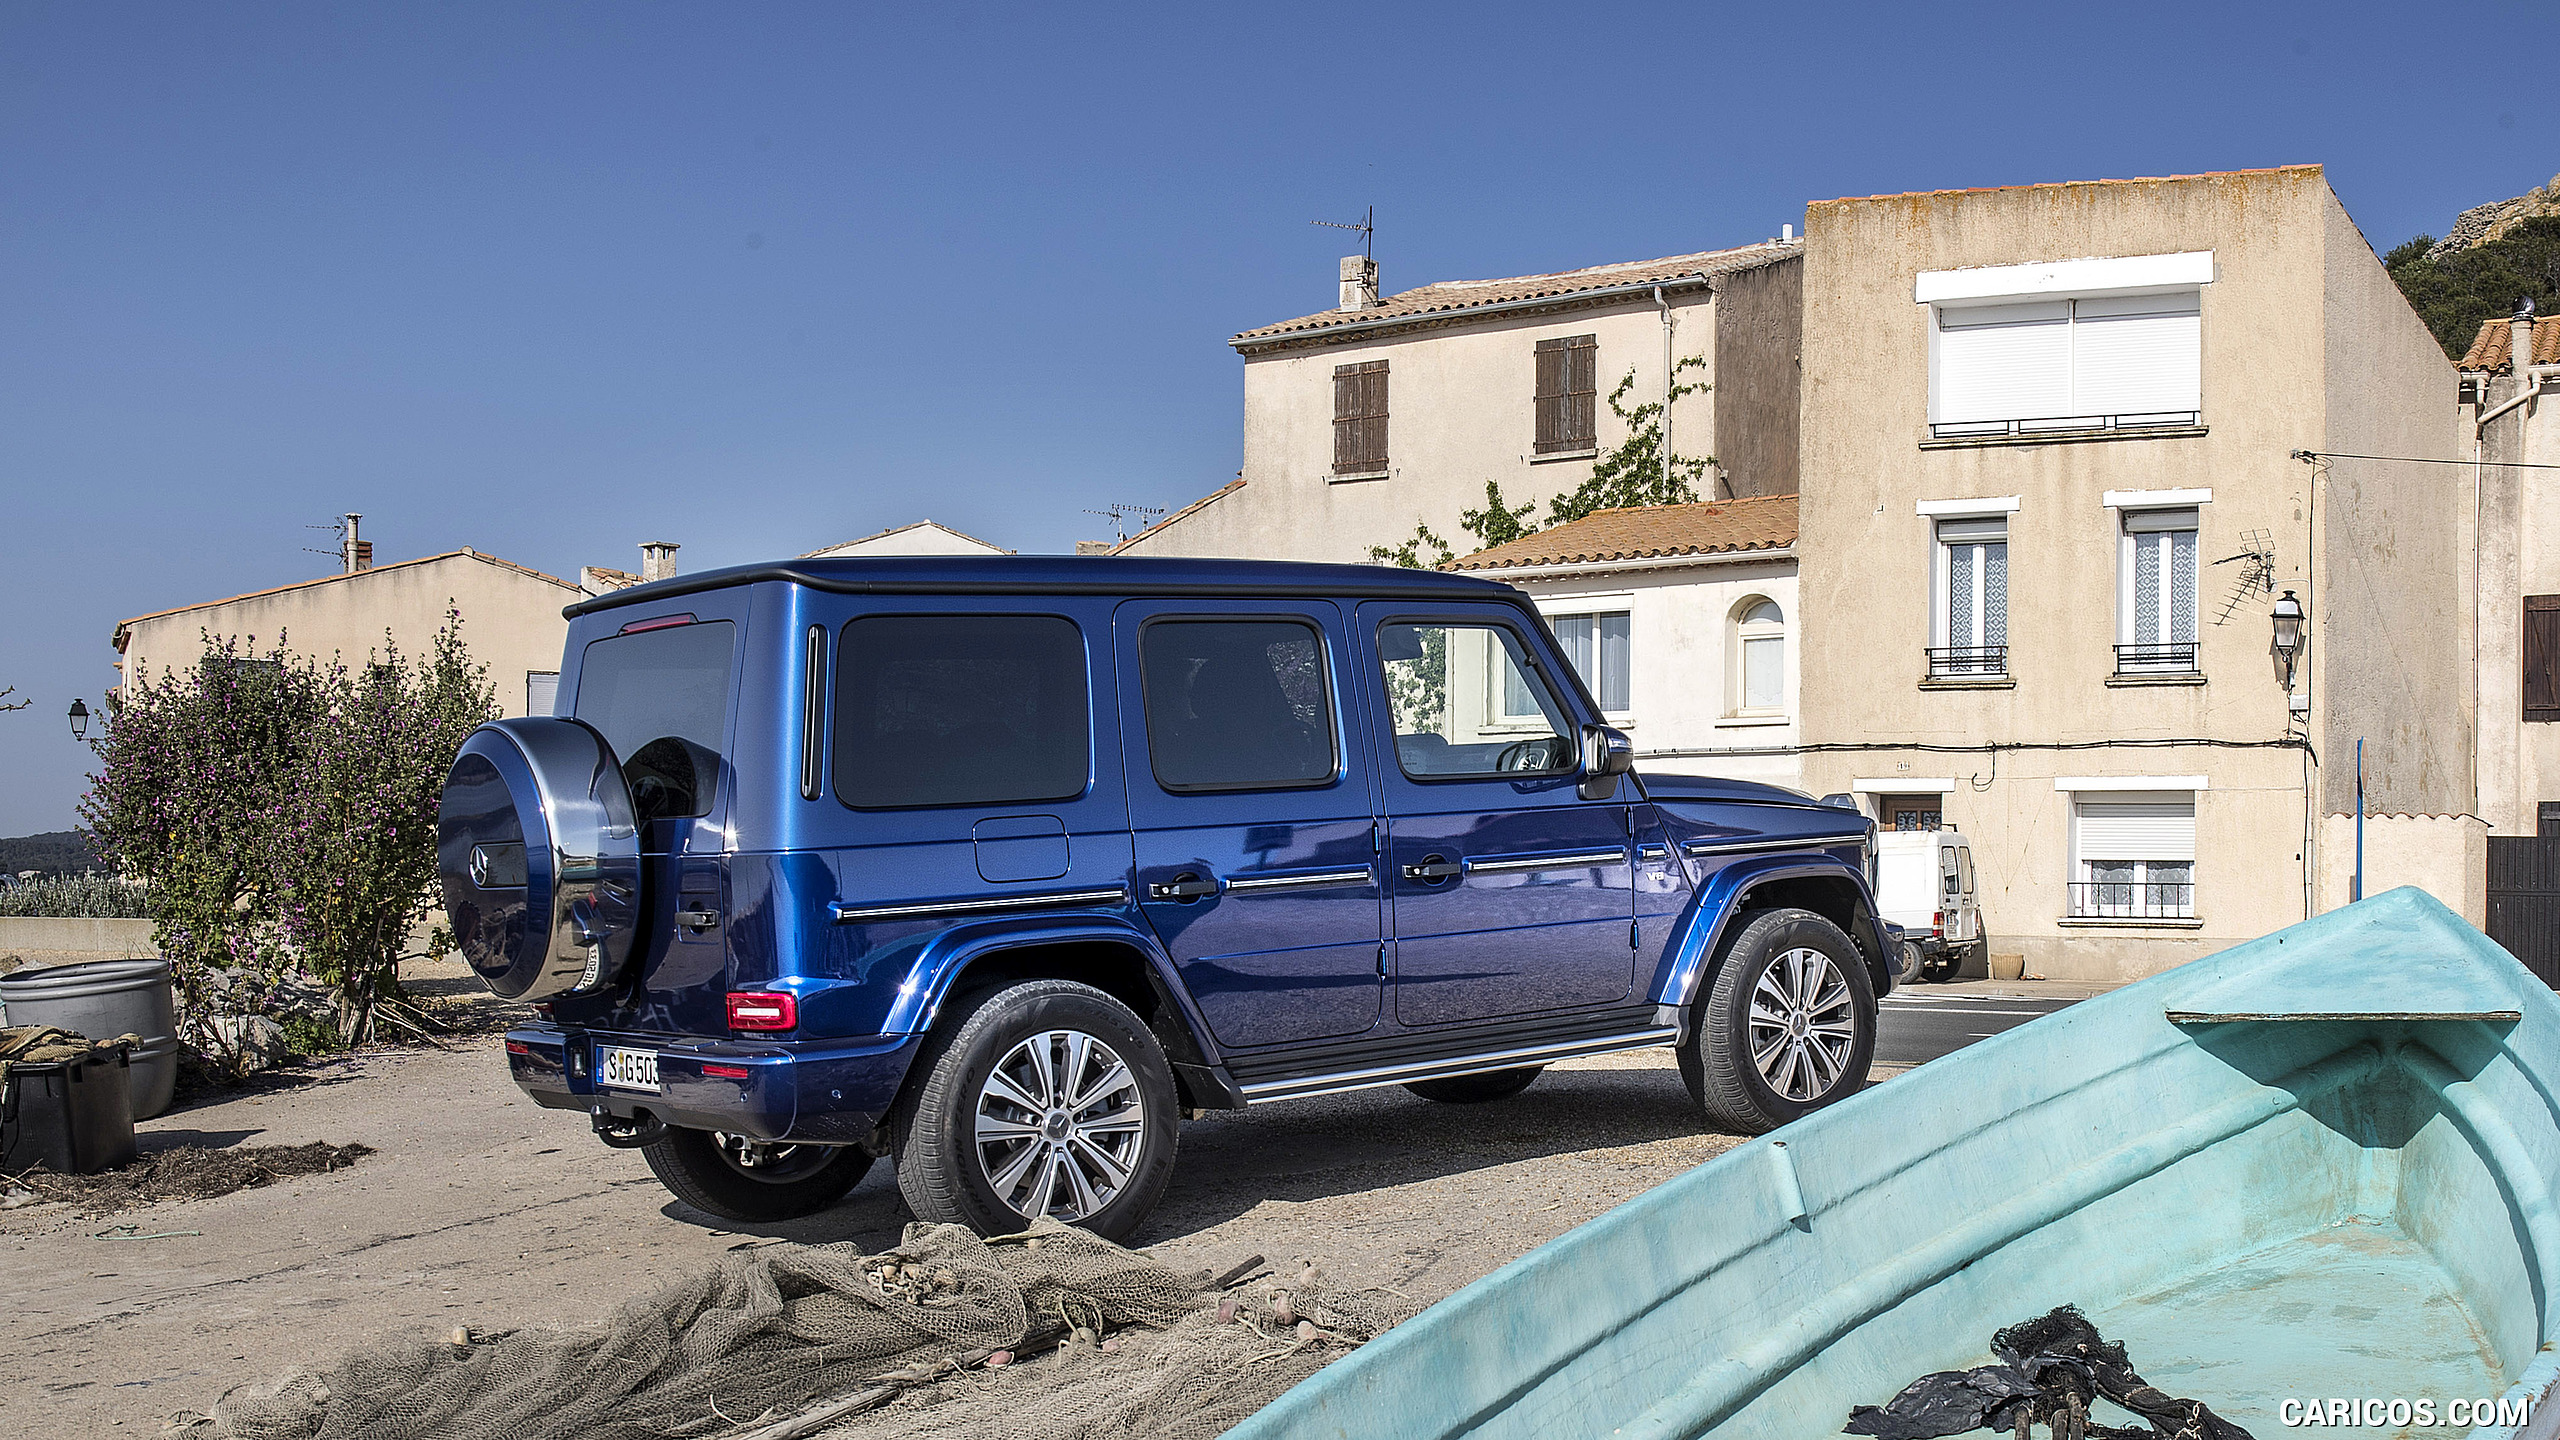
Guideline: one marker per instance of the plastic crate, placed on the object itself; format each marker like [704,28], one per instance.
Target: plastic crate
[73,1117]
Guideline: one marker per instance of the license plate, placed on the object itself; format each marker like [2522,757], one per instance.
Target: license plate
[620,1069]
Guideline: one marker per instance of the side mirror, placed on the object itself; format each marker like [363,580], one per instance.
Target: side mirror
[1606,754]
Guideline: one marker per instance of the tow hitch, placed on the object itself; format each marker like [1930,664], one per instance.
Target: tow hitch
[629,1134]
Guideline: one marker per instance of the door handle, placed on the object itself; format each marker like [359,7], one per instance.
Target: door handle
[1185,886]
[1433,869]
[697,920]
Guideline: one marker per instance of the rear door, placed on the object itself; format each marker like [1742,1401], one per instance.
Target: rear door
[1251,799]
[662,689]
[1510,893]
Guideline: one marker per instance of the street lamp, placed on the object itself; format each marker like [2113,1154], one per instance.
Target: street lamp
[79,720]
[2288,642]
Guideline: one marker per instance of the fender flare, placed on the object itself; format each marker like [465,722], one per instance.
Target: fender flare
[936,968]
[1715,904]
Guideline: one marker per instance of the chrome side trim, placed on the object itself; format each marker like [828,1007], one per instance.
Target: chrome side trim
[1792,842]
[1651,853]
[1582,860]
[1116,895]
[1340,1081]
[1306,881]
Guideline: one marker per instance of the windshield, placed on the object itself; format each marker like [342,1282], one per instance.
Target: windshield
[661,699]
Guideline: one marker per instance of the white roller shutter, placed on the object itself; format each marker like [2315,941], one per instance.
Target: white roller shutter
[541,691]
[2136,355]
[2136,829]
[2004,362]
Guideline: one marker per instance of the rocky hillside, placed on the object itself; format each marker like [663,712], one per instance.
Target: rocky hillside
[2495,255]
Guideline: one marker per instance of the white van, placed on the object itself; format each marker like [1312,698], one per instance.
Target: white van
[1925,884]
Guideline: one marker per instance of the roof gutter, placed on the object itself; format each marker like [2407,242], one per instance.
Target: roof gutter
[1561,569]
[1632,289]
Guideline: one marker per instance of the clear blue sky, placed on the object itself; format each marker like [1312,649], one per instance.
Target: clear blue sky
[549,280]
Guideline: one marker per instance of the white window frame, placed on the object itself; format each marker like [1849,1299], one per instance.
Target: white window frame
[2068,283]
[2128,543]
[2078,790]
[1597,609]
[1942,594]
[1739,635]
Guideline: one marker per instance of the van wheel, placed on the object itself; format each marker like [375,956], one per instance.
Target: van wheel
[1047,1098]
[736,1178]
[1788,1027]
[1914,967]
[1477,1089]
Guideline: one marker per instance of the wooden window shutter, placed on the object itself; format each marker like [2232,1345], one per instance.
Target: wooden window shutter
[2542,657]
[1360,418]
[1567,370]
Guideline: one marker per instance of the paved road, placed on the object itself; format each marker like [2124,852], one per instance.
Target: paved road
[1924,1022]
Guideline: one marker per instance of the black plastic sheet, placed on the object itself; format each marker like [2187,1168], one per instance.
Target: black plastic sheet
[2051,1369]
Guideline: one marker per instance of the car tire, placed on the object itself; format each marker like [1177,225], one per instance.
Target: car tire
[1477,1089]
[1915,966]
[1804,1067]
[971,1152]
[722,1175]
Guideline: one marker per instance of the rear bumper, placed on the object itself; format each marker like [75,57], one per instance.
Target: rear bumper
[818,1091]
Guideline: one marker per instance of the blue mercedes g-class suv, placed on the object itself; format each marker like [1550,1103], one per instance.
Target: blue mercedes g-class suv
[1002,867]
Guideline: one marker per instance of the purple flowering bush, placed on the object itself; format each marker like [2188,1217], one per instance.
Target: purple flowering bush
[284,812]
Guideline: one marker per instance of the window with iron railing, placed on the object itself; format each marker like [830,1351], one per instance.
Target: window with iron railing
[2156,591]
[2035,365]
[1971,626]
[2133,856]
[2126,897]
[1948,662]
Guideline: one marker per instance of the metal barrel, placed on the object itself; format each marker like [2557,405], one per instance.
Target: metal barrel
[101,999]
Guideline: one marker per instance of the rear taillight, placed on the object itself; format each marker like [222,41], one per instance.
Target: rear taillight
[762,1010]
[518,1047]
[724,1072]
[1937,925]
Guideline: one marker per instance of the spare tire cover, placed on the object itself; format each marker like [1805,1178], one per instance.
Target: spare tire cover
[540,858]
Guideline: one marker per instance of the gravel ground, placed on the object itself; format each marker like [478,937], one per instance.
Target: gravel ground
[483,1210]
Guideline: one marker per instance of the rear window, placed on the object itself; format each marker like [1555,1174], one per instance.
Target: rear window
[960,710]
[661,699]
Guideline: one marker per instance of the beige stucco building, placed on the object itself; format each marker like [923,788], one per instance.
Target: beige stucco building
[511,621]
[1382,414]
[2051,498]
[1680,619]
[922,537]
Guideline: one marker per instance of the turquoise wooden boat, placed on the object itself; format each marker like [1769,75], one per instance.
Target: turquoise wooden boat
[2318,1166]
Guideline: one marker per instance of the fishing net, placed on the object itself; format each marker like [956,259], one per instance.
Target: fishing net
[947,1334]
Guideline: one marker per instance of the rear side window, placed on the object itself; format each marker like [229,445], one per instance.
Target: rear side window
[1237,704]
[661,699]
[960,710]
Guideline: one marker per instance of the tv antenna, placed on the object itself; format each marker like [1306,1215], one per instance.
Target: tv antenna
[1368,227]
[336,527]
[1123,516]
[2257,562]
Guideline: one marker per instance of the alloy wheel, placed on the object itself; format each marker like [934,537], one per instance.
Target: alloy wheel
[1060,1121]
[1803,1025]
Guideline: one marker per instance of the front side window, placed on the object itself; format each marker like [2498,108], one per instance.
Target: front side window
[1972,622]
[1760,658]
[1360,418]
[2134,857]
[661,700]
[961,710]
[2095,363]
[2157,606]
[1466,702]
[1598,646]
[1237,704]
[1568,392]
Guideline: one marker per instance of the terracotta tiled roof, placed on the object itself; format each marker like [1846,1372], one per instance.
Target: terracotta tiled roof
[1204,502]
[1451,297]
[2491,352]
[1649,532]
[123,627]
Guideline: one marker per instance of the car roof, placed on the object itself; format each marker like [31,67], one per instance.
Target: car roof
[1068,575]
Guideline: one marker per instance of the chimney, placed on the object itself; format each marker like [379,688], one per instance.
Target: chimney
[354,547]
[658,560]
[2520,338]
[1786,234]
[364,554]
[1359,282]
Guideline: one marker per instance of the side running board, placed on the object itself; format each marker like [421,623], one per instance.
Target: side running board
[1298,1087]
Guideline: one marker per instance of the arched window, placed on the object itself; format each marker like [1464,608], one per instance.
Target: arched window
[1759,657]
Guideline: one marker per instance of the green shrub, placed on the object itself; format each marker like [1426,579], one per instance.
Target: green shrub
[75,896]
